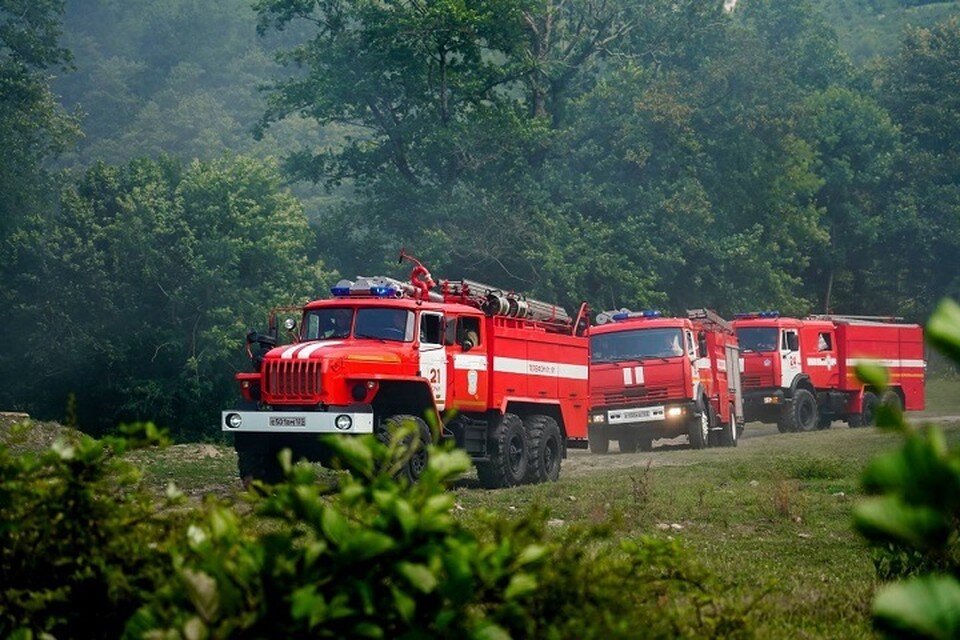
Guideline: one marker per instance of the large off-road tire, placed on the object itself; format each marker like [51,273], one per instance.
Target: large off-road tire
[546,449]
[892,399]
[699,426]
[257,459]
[509,450]
[728,435]
[868,414]
[597,439]
[416,457]
[801,414]
[629,443]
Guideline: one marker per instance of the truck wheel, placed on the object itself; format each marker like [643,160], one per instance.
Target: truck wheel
[257,459]
[629,443]
[825,420]
[728,436]
[546,449]
[713,440]
[509,455]
[892,399]
[699,427]
[801,415]
[868,417]
[597,439]
[417,457]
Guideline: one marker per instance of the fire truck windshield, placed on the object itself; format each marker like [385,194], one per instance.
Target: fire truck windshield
[757,338]
[380,323]
[636,345]
[384,324]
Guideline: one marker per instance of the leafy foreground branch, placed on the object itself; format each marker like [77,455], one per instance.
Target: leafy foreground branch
[913,517]
[366,556]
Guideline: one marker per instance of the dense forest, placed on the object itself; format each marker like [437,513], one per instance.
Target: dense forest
[174,169]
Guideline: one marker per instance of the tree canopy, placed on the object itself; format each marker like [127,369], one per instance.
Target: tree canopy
[625,152]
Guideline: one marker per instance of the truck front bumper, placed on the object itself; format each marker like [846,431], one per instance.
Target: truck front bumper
[764,405]
[296,422]
[657,421]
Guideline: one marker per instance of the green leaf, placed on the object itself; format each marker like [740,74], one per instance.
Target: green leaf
[943,329]
[369,544]
[307,604]
[490,631]
[195,629]
[335,527]
[202,591]
[521,584]
[873,375]
[355,454]
[405,604]
[928,607]
[532,553]
[890,518]
[448,464]
[418,575]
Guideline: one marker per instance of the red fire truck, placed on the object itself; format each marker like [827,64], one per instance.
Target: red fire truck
[501,374]
[655,377]
[800,374]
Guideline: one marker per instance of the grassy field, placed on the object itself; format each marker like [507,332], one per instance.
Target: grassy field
[772,518]
[943,397]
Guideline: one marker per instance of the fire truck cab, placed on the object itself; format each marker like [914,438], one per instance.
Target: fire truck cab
[503,376]
[655,377]
[800,374]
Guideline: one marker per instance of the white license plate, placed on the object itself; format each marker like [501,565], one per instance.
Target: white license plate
[288,421]
[642,414]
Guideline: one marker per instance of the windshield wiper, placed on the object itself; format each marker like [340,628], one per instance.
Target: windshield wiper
[363,335]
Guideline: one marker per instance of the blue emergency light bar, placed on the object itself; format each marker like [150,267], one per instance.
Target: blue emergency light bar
[340,292]
[383,292]
[626,315]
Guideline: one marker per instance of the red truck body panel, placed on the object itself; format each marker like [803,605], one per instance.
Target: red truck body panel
[897,347]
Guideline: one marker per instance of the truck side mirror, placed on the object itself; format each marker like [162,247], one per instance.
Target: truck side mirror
[793,342]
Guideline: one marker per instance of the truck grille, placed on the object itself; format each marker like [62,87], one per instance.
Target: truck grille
[633,394]
[292,381]
[750,382]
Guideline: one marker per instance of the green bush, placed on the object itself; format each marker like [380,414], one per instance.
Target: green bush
[376,558]
[913,515]
[81,543]
[86,552]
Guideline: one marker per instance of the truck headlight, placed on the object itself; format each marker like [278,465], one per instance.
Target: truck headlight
[598,418]
[234,420]
[674,412]
[343,422]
